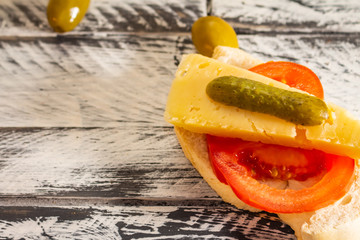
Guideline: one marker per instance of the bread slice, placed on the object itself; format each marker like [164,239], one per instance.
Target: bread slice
[235,57]
[340,220]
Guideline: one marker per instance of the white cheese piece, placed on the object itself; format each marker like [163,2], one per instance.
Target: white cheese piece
[189,107]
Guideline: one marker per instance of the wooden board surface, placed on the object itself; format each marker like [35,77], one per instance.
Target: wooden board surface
[291,17]
[85,152]
[29,18]
[139,222]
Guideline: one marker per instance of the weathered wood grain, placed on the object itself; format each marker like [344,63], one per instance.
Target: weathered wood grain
[76,82]
[97,162]
[19,18]
[139,222]
[290,16]
[124,79]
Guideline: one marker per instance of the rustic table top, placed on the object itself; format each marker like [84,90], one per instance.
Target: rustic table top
[84,150]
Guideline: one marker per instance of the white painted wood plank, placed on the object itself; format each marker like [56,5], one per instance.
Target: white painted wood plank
[139,222]
[290,16]
[76,82]
[120,162]
[125,79]
[20,18]
[28,18]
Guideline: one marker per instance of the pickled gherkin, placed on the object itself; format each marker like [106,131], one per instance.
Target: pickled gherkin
[298,108]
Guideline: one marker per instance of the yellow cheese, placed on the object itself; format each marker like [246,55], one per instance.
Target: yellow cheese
[189,107]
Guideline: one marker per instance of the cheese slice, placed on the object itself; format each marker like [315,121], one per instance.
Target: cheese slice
[189,107]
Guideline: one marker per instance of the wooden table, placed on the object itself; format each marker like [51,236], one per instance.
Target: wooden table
[84,150]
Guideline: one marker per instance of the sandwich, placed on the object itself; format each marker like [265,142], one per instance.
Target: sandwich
[263,158]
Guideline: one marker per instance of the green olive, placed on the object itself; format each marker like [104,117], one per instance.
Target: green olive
[65,15]
[209,32]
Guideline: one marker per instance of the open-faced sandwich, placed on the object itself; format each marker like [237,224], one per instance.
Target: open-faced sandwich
[263,138]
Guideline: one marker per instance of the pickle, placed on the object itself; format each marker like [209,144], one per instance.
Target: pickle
[295,107]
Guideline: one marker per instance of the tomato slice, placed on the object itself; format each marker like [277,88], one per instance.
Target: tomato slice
[233,161]
[292,74]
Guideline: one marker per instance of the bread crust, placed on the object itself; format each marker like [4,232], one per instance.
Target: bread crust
[195,149]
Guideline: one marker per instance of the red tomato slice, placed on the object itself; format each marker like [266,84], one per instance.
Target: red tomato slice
[293,74]
[233,161]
